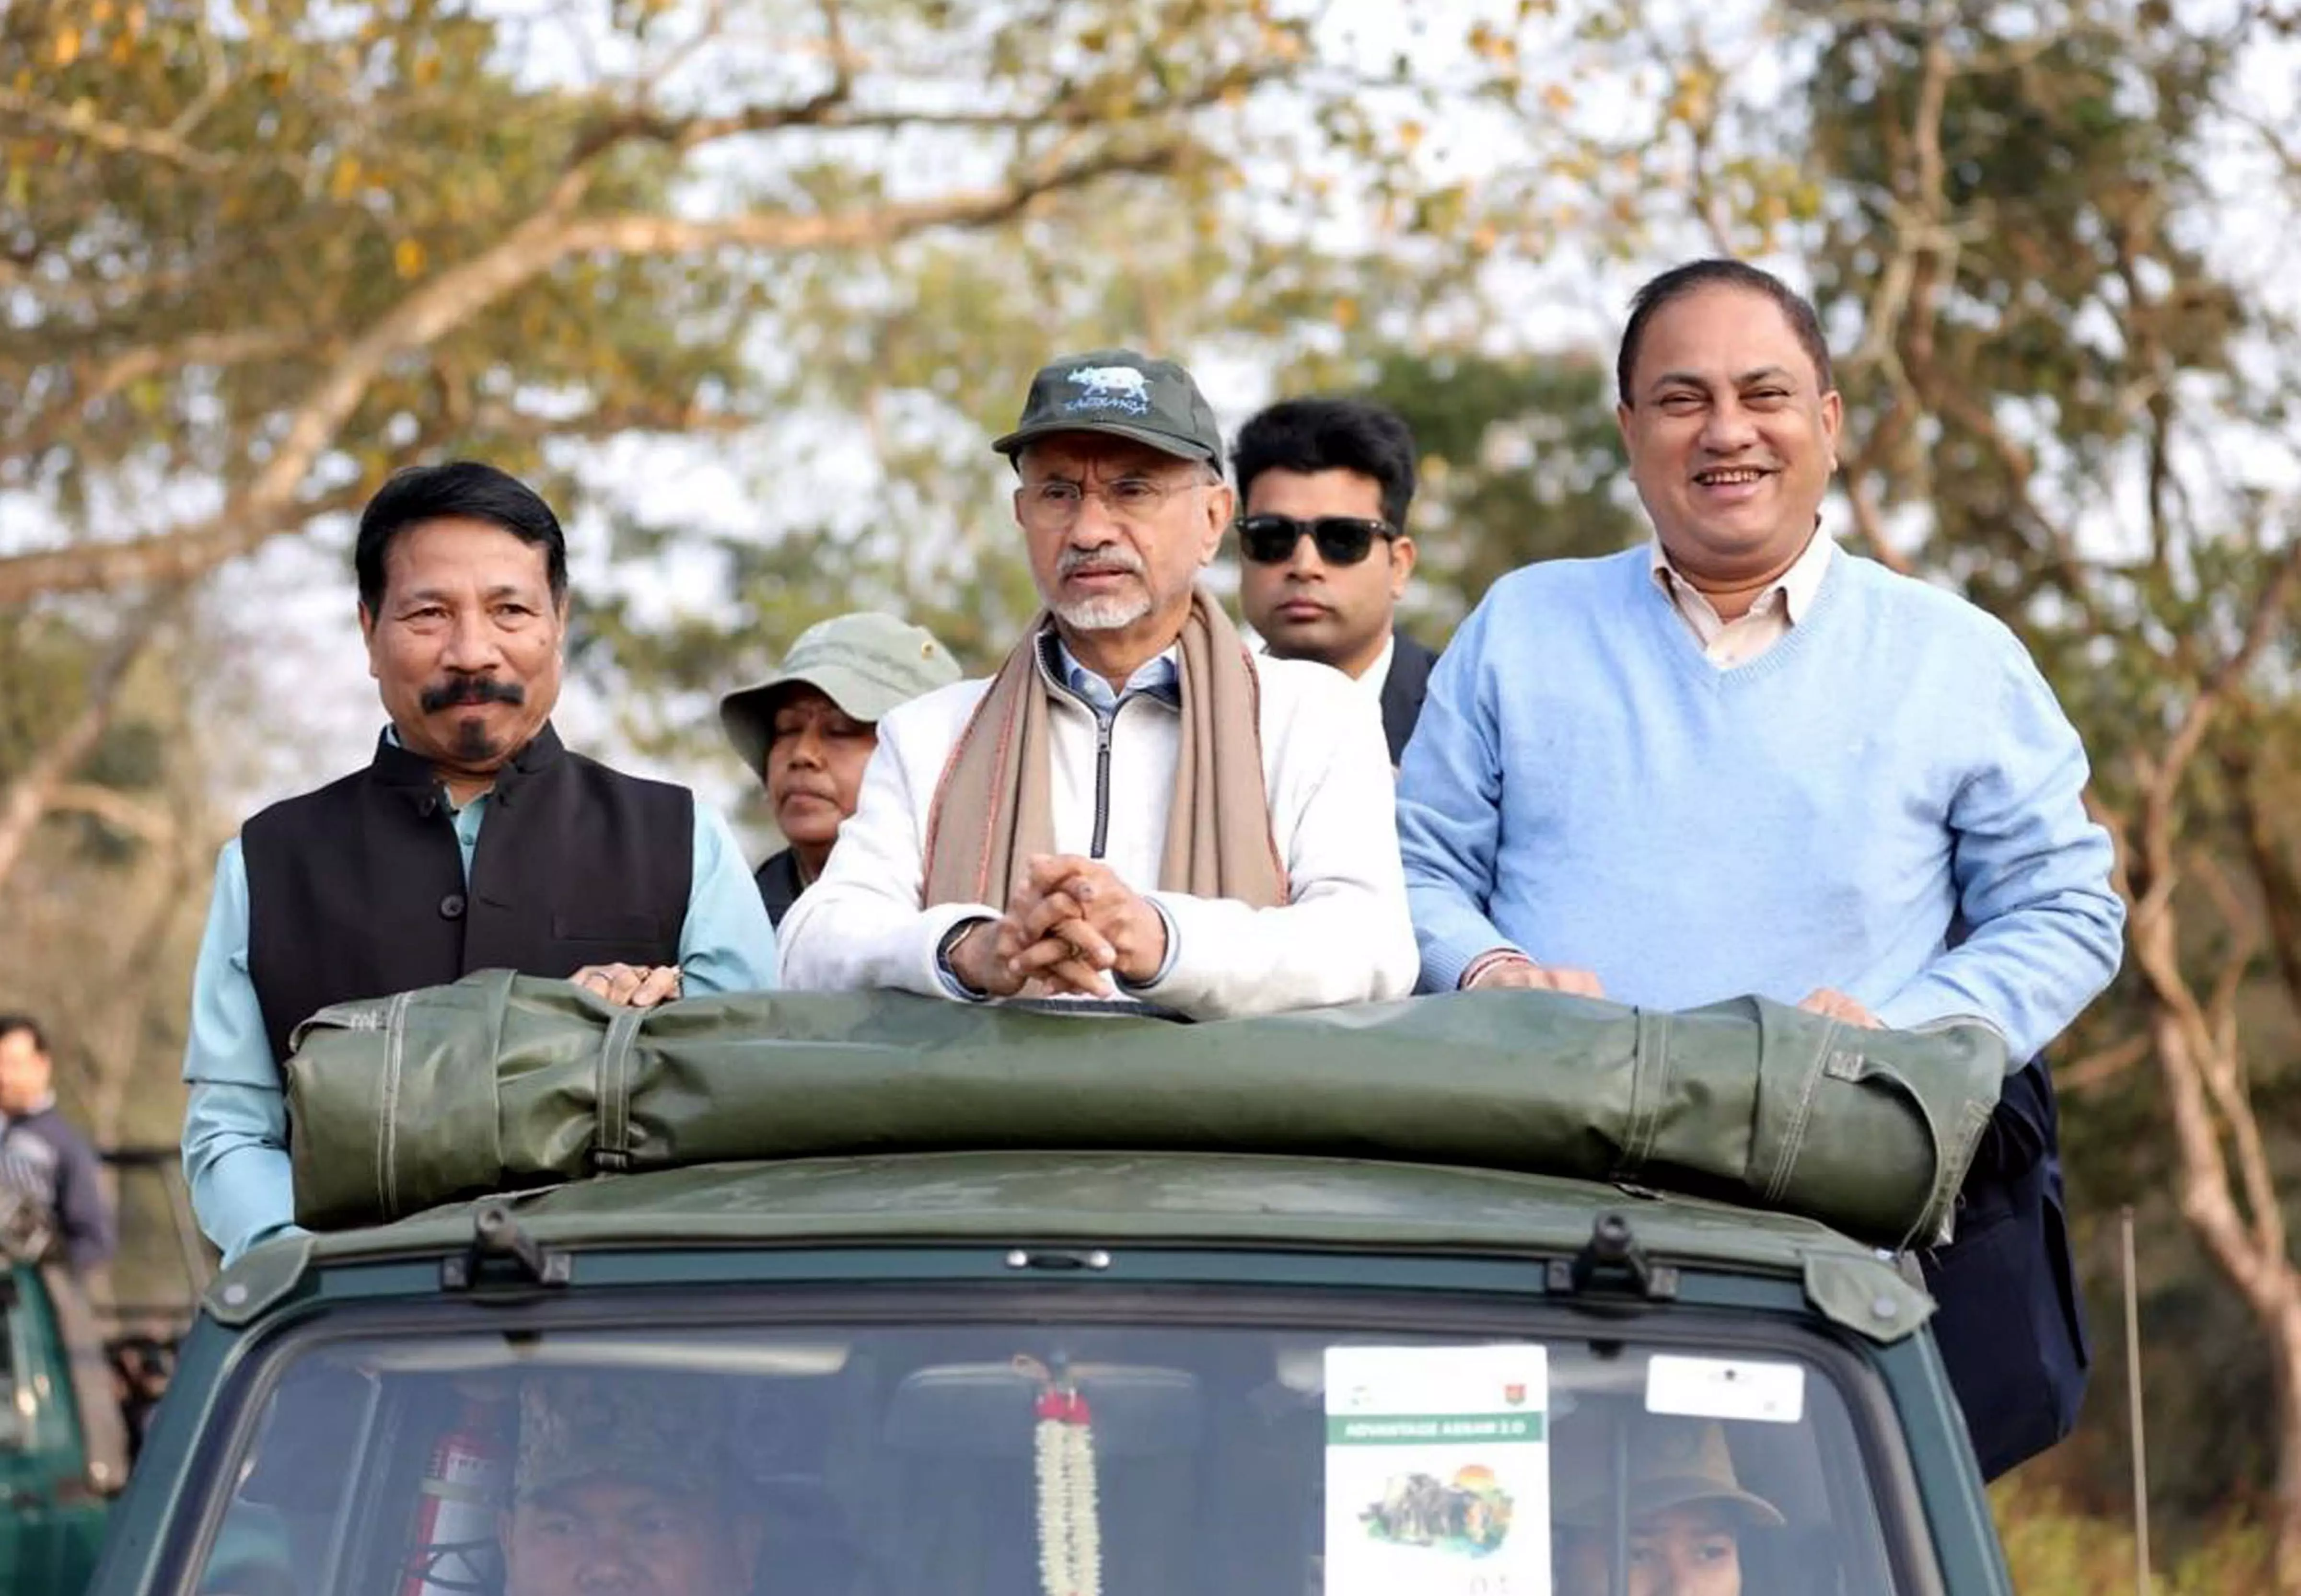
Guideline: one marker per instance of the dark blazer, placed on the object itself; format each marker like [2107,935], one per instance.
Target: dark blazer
[1401,692]
[778,884]
[2009,1327]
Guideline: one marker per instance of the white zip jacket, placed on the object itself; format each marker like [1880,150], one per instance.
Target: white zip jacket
[1345,938]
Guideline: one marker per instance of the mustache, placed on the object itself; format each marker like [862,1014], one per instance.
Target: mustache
[470,690]
[1074,560]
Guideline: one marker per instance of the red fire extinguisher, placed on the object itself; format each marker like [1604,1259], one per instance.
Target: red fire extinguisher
[454,1551]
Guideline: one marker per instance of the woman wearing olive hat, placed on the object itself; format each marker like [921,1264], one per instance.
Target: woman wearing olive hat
[808,730]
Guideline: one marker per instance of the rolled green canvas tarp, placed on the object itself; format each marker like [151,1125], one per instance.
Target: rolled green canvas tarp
[501,1082]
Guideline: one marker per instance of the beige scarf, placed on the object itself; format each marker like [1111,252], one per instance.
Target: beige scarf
[993,812]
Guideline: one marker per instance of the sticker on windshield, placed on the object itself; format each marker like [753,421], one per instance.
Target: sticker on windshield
[1438,1471]
[1770,1393]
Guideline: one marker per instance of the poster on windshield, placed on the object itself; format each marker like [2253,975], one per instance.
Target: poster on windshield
[1438,1471]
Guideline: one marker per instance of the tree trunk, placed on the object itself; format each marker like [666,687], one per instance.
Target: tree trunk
[114,1045]
[25,801]
[2285,1333]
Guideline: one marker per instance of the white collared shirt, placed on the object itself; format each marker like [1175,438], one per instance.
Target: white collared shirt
[1770,617]
[1377,676]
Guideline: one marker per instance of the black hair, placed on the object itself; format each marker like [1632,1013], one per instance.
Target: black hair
[1692,278]
[1314,435]
[461,489]
[11,1023]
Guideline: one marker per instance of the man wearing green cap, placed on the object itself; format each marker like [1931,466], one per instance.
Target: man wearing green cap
[1134,805]
[809,729]
[626,1486]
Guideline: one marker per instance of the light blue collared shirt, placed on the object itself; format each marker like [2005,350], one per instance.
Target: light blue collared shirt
[236,1122]
[1159,677]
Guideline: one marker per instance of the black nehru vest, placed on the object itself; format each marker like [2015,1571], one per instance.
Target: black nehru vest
[356,891]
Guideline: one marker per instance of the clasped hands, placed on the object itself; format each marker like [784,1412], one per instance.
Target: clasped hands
[1525,974]
[634,986]
[1070,926]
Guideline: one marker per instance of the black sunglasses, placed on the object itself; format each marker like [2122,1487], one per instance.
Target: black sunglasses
[1342,540]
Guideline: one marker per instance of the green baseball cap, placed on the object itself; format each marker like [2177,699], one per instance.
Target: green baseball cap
[672,1432]
[1125,394]
[866,663]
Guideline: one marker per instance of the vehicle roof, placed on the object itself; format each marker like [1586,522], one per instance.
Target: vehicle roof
[1164,1199]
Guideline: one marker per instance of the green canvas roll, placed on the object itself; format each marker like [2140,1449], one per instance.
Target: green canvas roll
[503,1081]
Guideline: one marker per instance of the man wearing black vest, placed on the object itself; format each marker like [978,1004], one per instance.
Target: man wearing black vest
[473,840]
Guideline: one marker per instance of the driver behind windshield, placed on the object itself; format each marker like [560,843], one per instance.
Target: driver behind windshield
[1687,1516]
[627,1485]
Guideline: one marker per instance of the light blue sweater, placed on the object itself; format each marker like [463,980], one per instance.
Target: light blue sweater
[1887,802]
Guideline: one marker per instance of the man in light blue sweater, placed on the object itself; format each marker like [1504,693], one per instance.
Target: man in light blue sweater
[1740,760]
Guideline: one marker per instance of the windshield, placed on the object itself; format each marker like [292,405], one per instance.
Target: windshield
[1143,1456]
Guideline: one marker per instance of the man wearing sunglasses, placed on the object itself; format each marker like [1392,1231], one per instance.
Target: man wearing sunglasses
[1324,555]
[1136,805]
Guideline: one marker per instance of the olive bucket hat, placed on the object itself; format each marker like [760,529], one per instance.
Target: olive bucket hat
[1673,1463]
[866,663]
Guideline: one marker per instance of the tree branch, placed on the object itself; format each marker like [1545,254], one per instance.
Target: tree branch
[212,91]
[831,110]
[113,1050]
[785,232]
[28,797]
[2197,1051]
[35,432]
[2162,780]
[2265,1281]
[2196,1078]
[114,808]
[269,504]
[1702,131]
[2061,545]
[496,420]
[180,555]
[2267,858]
[114,137]
[2098,1069]
[682,133]
[199,349]
[1903,301]
[2224,1061]
[1869,522]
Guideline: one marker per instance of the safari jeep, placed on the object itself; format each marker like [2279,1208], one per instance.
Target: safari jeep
[893,1297]
[62,1450]
[66,1442]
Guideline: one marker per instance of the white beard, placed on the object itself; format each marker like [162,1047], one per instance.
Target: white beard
[1108,612]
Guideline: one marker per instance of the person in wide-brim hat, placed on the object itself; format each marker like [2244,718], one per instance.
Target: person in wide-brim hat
[1686,1510]
[808,731]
